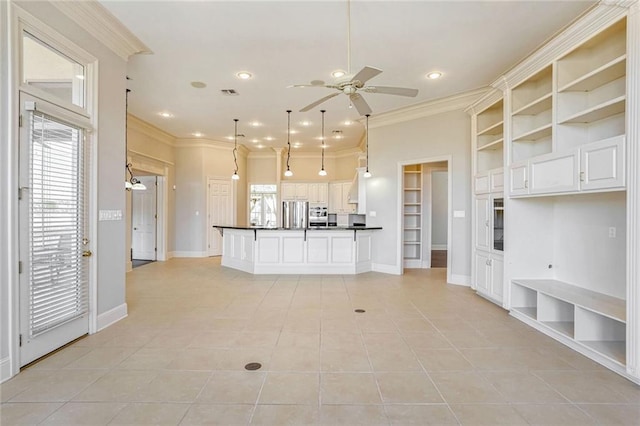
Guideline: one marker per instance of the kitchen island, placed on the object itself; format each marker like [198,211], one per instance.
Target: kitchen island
[317,250]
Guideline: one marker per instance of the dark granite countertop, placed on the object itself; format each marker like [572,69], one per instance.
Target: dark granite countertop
[314,228]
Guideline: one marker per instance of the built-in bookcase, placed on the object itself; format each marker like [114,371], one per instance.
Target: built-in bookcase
[412,216]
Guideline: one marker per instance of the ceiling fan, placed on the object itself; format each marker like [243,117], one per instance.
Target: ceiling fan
[350,84]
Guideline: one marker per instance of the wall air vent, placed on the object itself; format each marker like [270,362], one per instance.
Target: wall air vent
[229,92]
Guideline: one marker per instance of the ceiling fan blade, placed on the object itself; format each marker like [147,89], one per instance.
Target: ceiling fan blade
[366,74]
[328,86]
[400,91]
[318,102]
[361,105]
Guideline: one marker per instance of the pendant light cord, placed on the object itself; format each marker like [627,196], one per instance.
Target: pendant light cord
[348,36]
[367,115]
[235,145]
[288,137]
[323,111]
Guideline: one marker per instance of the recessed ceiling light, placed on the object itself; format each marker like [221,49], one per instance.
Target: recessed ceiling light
[347,122]
[255,140]
[244,75]
[198,84]
[269,138]
[229,138]
[297,144]
[325,146]
[260,146]
[165,114]
[197,134]
[433,75]
[255,124]
[305,123]
[337,74]
[293,131]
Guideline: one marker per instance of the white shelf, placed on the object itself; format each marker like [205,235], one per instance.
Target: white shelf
[494,129]
[598,112]
[412,214]
[530,312]
[543,103]
[564,327]
[616,350]
[598,77]
[412,243]
[412,204]
[493,146]
[603,304]
[413,189]
[534,134]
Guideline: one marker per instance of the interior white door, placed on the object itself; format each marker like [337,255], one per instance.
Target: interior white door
[144,217]
[220,212]
[54,249]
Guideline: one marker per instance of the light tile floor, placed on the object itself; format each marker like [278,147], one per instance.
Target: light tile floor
[424,352]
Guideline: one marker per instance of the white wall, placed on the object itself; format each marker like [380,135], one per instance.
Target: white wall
[434,136]
[110,245]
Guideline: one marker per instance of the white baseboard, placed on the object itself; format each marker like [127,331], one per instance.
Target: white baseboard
[386,269]
[459,279]
[189,254]
[438,246]
[111,316]
[5,369]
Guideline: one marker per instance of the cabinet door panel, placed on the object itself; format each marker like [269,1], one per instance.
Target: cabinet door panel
[554,173]
[313,193]
[602,164]
[335,198]
[496,178]
[482,222]
[288,191]
[518,176]
[497,279]
[481,183]
[302,191]
[481,273]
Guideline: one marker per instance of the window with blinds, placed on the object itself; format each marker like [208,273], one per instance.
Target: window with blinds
[58,272]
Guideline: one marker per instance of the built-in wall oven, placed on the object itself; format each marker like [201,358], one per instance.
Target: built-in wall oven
[318,216]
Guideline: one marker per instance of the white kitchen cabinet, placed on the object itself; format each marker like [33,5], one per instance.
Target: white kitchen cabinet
[552,173]
[338,198]
[318,193]
[482,222]
[291,191]
[602,164]
[489,275]
[481,183]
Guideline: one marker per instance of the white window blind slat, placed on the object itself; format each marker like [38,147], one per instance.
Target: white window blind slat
[58,275]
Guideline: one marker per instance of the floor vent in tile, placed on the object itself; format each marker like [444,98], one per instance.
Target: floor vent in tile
[253,366]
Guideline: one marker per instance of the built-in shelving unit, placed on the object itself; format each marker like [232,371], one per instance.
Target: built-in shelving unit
[412,220]
[567,197]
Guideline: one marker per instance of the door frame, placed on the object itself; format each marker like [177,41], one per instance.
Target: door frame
[400,207]
[155,213]
[428,219]
[148,165]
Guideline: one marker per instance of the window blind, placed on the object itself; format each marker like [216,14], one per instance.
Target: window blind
[58,272]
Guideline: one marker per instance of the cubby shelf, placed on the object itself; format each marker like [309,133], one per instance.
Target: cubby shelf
[494,129]
[597,112]
[543,103]
[495,145]
[534,134]
[598,77]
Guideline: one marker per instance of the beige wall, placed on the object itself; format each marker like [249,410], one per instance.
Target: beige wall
[262,169]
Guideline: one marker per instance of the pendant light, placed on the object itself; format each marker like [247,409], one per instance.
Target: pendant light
[235,150]
[288,173]
[132,182]
[367,174]
[322,171]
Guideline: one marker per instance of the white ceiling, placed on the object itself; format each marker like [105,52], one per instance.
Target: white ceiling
[293,42]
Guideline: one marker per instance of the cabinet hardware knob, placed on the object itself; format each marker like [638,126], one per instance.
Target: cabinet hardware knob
[86,253]
[581,176]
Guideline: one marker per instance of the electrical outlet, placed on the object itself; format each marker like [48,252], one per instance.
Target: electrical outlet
[612,232]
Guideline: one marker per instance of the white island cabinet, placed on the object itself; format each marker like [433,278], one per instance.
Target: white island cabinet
[297,251]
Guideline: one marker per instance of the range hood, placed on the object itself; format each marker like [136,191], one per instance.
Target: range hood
[357,191]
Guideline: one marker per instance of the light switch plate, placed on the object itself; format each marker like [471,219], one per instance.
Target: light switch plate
[458,213]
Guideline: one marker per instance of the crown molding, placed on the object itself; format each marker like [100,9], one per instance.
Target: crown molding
[210,144]
[596,19]
[101,24]
[350,152]
[141,126]
[263,154]
[426,109]
[491,97]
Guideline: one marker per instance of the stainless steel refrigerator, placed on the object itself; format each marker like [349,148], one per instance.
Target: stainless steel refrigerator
[295,214]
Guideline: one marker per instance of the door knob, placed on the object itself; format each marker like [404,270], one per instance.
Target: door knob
[135,229]
[86,253]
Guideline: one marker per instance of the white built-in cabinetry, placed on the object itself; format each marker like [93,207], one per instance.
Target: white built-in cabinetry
[412,216]
[488,136]
[315,193]
[572,209]
[339,198]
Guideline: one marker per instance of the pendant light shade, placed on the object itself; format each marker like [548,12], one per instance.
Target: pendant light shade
[322,171]
[367,174]
[235,175]
[288,172]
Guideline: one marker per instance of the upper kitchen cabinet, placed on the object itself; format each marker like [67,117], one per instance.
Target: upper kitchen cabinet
[316,193]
